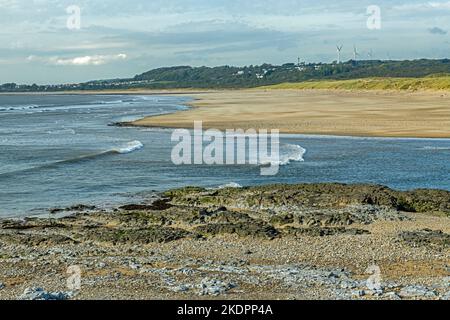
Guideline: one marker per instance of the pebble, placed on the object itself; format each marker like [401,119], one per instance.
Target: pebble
[180,288]
[417,292]
[375,293]
[135,266]
[393,296]
[359,293]
[214,287]
[40,294]
[348,285]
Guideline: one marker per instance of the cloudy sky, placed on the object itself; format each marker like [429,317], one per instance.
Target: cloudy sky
[120,38]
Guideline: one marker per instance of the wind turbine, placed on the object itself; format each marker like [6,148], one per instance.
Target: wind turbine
[370,54]
[339,49]
[355,53]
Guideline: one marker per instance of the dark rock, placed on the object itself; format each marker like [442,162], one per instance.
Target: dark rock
[229,217]
[81,207]
[156,234]
[78,207]
[158,205]
[426,237]
[322,232]
[257,230]
[281,197]
[282,220]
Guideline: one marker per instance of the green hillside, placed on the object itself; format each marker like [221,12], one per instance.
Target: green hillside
[408,74]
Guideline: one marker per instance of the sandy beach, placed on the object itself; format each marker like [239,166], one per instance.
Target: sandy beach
[329,112]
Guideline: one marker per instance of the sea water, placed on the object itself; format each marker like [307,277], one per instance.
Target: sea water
[61,150]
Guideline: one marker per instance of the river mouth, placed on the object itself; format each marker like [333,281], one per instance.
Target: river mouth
[58,151]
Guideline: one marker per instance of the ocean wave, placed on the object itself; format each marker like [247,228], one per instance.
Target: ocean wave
[106,102]
[229,185]
[125,149]
[19,108]
[59,107]
[29,109]
[129,147]
[435,148]
[288,153]
[62,131]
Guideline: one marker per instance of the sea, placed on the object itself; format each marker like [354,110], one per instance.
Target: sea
[57,151]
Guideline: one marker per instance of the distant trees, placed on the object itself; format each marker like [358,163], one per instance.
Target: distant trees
[253,76]
[9,86]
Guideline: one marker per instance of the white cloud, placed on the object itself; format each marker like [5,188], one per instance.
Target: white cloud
[8,4]
[93,60]
[423,6]
[203,32]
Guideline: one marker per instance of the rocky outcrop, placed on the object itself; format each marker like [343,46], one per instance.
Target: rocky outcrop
[283,198]
[264,212]
[426,237]
[283,242]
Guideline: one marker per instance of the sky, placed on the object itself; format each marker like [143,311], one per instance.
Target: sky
[68,41]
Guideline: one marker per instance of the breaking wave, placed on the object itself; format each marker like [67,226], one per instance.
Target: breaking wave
[125,149]
[62,107]
[22,107]
[129,147]
[230,185]
[288,153]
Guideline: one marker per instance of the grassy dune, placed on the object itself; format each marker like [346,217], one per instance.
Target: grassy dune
[434,82]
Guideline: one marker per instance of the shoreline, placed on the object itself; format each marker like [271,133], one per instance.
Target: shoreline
[309,112]
[357,113]
[306,241]
[62,212]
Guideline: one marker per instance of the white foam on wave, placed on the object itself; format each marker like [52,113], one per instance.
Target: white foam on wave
[129,147]
[230,185]
[62,131]
[34,108]
[21,107]
[288,153]
[30,109]
[125,100]
[435,148]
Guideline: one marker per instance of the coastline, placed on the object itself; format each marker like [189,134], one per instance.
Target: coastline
[312,112]
[355,113]
[312,241]
[307,241]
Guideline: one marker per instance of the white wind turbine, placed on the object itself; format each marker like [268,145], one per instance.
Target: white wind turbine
[339,49]
[370,54]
